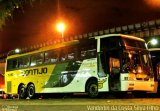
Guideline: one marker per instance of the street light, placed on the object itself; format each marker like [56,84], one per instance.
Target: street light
[61,28]
[153,42]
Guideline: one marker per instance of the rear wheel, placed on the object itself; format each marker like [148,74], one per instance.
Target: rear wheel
[92,89]
[22,92]
[31,91]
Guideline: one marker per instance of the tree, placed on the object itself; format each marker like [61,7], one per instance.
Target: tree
[7,7]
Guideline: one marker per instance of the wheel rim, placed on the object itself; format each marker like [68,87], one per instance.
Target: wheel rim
[31,92]
[93,90]
[22,92]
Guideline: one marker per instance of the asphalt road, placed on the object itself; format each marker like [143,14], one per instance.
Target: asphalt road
[81,104]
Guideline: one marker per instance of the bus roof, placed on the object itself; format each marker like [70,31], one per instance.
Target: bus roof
[54,46]
[121,35]
[154,49]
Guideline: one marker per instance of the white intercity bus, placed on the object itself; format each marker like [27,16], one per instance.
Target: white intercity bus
[107,63]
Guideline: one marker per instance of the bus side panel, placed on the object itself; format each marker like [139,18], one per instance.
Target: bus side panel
[36,75]
[56,78]
[86,70]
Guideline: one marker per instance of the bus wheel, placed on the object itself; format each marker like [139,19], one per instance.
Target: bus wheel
[92,89]
[22,91]
[31,91]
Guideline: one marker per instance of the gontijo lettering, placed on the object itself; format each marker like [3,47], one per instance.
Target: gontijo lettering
[35,71]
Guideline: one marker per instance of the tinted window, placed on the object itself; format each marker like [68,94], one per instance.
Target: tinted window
[63,54]
[68,53]
[24,61]
[88,49]
[109,43]
[51,56]
[134,43]
[12,64]
[37,59]
[71,55]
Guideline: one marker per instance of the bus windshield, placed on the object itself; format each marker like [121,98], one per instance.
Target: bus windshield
[136,62]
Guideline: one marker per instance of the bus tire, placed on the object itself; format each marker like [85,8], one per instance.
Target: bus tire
[22,92]
[92,89]
[31,91]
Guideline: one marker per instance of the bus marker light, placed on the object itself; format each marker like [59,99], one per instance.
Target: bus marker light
[131,84]
[130,88]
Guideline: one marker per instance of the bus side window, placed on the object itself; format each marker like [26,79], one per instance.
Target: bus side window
[87,52]
[20,62]
[51,56]
[24,61]
[71,56]
[55,57]
[12,64]
[71,53]
[63,55]
[83,53]
[47,57]
[91,53]
[37,59]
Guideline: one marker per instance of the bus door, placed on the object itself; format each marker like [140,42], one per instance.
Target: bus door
[114,70]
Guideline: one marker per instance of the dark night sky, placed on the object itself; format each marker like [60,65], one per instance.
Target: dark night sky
[36,23]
